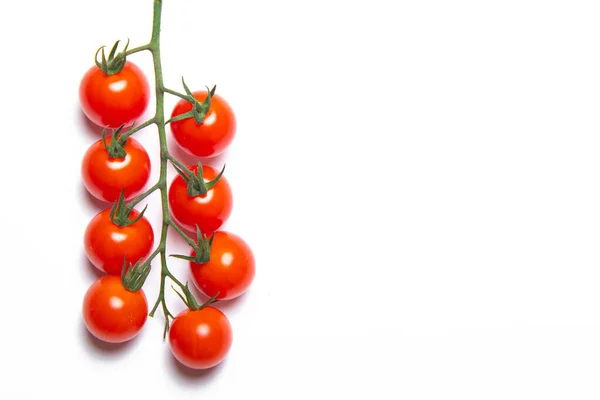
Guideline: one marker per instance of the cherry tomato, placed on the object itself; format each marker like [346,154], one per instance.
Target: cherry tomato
[230,270]
[114,100]
[200,339]
[107,244]
[105,177]
[111,312]
[211,137]
[209,211]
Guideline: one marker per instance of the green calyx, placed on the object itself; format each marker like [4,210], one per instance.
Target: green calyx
[199,108]
[115,62]
[202,249]
[134,276]
[196,185]
[116,148]
[120,212]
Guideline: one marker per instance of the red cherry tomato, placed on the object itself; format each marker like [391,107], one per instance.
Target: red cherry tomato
[114,100]
[200,339]
[230,270]
[111,312]
[209,211]
[105,177]
[107,244]
[211,137]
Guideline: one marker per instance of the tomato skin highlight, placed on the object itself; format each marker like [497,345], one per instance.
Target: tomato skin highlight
[107,244]
[230,270]
[105,177]
[114,100]
[211,137]
[200,339]
[112,313]
[208,211]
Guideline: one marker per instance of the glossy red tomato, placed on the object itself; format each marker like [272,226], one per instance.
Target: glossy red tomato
[105,177]
[230,270]
[114,100]
[211,137]
[200,339]
[111,312]
[209,210]
[107,244]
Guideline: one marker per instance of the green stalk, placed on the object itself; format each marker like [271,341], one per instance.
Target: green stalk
[154,48]
[161,185]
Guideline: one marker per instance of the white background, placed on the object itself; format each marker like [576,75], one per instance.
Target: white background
[418,180]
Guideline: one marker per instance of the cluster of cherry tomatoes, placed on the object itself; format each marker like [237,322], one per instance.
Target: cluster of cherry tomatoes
[120,241]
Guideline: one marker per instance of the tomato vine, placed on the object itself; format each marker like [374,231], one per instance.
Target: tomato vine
[114,94]
[161,185]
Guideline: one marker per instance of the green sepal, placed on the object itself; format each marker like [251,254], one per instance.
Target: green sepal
[199,108]
[186,115]
[203,246]
[202,249]
[118,140]
[134,277]
[115,62]
[116,148]
[191,97]
[120,212]
[195,182]
[210,184]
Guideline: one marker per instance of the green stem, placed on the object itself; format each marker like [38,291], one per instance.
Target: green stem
[156,252]
[142,196]
[176,93]
[138,128]
[159,120]
[161,295]
[174,279]
[160,123]
[137,49]
[177,162]
[181,233]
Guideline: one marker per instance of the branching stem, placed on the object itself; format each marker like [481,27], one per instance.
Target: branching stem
[177,162]
[176,93]
[137,49]
[161,185]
